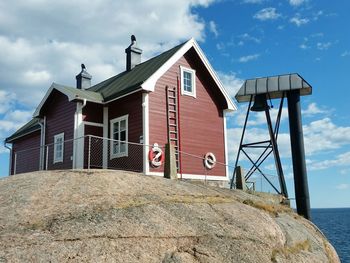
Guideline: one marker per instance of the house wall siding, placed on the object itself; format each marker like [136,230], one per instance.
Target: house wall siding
[27,153]
[131,105]
[201,118]
[59,114]
[93,112]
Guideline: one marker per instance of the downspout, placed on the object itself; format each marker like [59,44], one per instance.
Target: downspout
[10,161]
[42,124]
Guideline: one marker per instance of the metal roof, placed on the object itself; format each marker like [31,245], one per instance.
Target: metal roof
[129,81]
[74,93]
[274,86]
[71,93]
[29,127]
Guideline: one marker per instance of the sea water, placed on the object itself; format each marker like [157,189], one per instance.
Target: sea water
[335,224]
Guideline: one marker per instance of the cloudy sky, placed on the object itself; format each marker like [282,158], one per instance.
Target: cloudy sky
[46,41]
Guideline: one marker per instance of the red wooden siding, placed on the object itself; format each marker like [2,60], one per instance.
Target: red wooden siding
[59,114]
[28,153]
[201,119]
[131,105]
[93,112]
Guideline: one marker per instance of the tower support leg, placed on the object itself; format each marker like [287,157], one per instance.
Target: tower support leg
[298,154]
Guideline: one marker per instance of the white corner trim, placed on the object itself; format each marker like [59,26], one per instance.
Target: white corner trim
[160,174]
[193,176]
[193,80]
[225,142]
[150,83]
[78,145]
[204,177]
[105,141]
[145,125]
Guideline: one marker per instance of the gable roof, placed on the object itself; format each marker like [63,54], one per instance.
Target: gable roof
[145,75]
[142,77]
[72,94]
[129,81]
[31,126]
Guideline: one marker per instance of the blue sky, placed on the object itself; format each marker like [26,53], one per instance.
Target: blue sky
[43,42]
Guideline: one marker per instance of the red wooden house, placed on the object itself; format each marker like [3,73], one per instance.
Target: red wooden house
[176,94]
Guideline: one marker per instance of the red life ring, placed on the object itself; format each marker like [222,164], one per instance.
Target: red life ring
[156,156]
[209,160]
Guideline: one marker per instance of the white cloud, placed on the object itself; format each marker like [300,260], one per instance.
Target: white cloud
[345,54]
[296,2]
[323,46]
[10,117]
[317,15]
[341,160]
[323,135]
[36,77]
[268,13]
[253,1]
[213,29]
[313,109]
[71,35]
[248,58]
[304,46]
[345,171]
[342,186]
[320,34]
[231,82]
[246,37]
[298,21]
[6,101]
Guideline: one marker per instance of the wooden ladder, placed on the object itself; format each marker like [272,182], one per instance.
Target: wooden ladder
[172,121]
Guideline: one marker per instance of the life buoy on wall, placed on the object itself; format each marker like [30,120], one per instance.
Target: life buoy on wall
[156,156]
[209,160]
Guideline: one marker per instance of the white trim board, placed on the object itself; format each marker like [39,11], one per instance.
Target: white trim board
[96,124]
[193,176]
[145,126]
[225,143]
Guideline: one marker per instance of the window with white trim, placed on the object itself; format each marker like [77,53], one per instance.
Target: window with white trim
[58,152]
[119,136]
[188,81]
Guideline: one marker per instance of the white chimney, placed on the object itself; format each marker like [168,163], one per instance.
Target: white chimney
[83,78]
[133,54]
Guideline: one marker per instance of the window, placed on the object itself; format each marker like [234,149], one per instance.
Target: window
[58,148]
[188,82]
[119,134]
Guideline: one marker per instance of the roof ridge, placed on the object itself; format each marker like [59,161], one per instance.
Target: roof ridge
[128,81]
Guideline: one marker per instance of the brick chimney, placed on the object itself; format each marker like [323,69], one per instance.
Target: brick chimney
[83,78]
[133,54]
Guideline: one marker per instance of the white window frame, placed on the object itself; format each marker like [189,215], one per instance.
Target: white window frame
[58,159]
[193,73]
[112,122]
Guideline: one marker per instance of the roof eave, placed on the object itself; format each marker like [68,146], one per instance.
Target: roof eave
[71,96]
[12,138]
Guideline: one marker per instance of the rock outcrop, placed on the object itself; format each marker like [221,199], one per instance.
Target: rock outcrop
[113,216]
